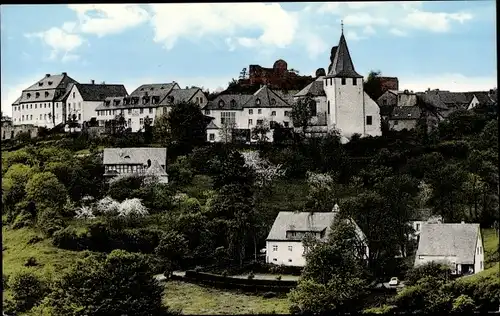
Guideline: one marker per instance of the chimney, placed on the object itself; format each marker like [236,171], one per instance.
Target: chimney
[64,74]
[92,81]
[47,75]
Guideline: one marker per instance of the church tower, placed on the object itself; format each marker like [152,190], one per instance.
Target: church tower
[344,94]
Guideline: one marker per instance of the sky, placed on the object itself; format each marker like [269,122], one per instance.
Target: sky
[446,45]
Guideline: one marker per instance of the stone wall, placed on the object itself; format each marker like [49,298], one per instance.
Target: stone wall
[12,131]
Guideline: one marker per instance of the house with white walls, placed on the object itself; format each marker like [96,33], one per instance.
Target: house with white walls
[458,245]
[83,99]
[147,102]
[42,104]
[284,243]
[140,161]
[242,113]
[339,101]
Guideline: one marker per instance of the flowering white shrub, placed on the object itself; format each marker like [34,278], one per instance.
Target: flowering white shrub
[319,180]
[264,170]
[107,206]
[132,207]
[180,197]
[84,212]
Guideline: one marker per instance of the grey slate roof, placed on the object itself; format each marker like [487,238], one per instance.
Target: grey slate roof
[300,221]
[17,101]
[342,65]
[48,89]
[449,240]
[179,95]
[153,88]
[314,89]
[483,97]
[99,92]
[405,113]
[267,98]
[212,125]
[134,156]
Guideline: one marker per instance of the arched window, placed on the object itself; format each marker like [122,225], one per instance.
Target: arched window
[233,103]
[46,93]
[257,102]
[221,103]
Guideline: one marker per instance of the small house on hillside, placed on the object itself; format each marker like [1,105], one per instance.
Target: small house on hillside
[284,243]
[143,161]
[458,245]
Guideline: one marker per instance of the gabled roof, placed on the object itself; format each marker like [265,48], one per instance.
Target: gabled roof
[314,89]
[156,169]
[99,92]
[17,101]
[450,240]
[179,95]
[155,88]
[300,221]
[262,98]
[49,88]
[342,65]
[134,156]
[212,125]
[405,113]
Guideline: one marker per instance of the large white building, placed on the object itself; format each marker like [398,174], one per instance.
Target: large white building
[243,113]
[340,100]
[147,102]
[83,99]
[43,103]
[284,243]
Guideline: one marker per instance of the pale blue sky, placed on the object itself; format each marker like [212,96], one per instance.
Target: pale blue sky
[446,45]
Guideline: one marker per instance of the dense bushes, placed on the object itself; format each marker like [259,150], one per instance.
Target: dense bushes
[27,290]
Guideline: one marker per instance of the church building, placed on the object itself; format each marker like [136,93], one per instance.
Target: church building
[339,100]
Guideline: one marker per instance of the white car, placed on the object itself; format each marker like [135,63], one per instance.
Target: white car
[263,250]
[394,281]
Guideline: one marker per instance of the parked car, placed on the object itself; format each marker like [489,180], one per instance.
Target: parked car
[263,250]
[394,281]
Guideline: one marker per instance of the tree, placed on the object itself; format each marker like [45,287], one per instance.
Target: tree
[107,285]
[227,131]
[260,131]
[301,113]
[13,185]
[172,247]
[46,191]
[323,192]
[372,85]
[27,291]
[229,168]
[185,126]
[333,278]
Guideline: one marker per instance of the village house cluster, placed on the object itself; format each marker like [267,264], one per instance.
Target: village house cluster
[339,102]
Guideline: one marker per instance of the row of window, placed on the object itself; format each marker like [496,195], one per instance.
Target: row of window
[343,81]
[275,248]
[275,260]
[125,168]
[42,116]
[30,106]
[121,111]
[260,122]
[37,95]
[129,122]
[232,103]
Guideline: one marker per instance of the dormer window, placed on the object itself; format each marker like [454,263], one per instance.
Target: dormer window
[273,101]
[233,103]
[142,89]
[107,102]
[50,83]
[151,88]
[221,103]
[116,102]
[170,99]
[257,102]
[40,84]
[37,95]
[144,100]
[28,95]
[162,88]
[155,99]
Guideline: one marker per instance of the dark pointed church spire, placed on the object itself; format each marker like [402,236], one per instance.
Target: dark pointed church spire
[342,65]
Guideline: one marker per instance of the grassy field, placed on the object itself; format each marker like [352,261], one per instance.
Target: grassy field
[199,300]
[490,243]
[17,250]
